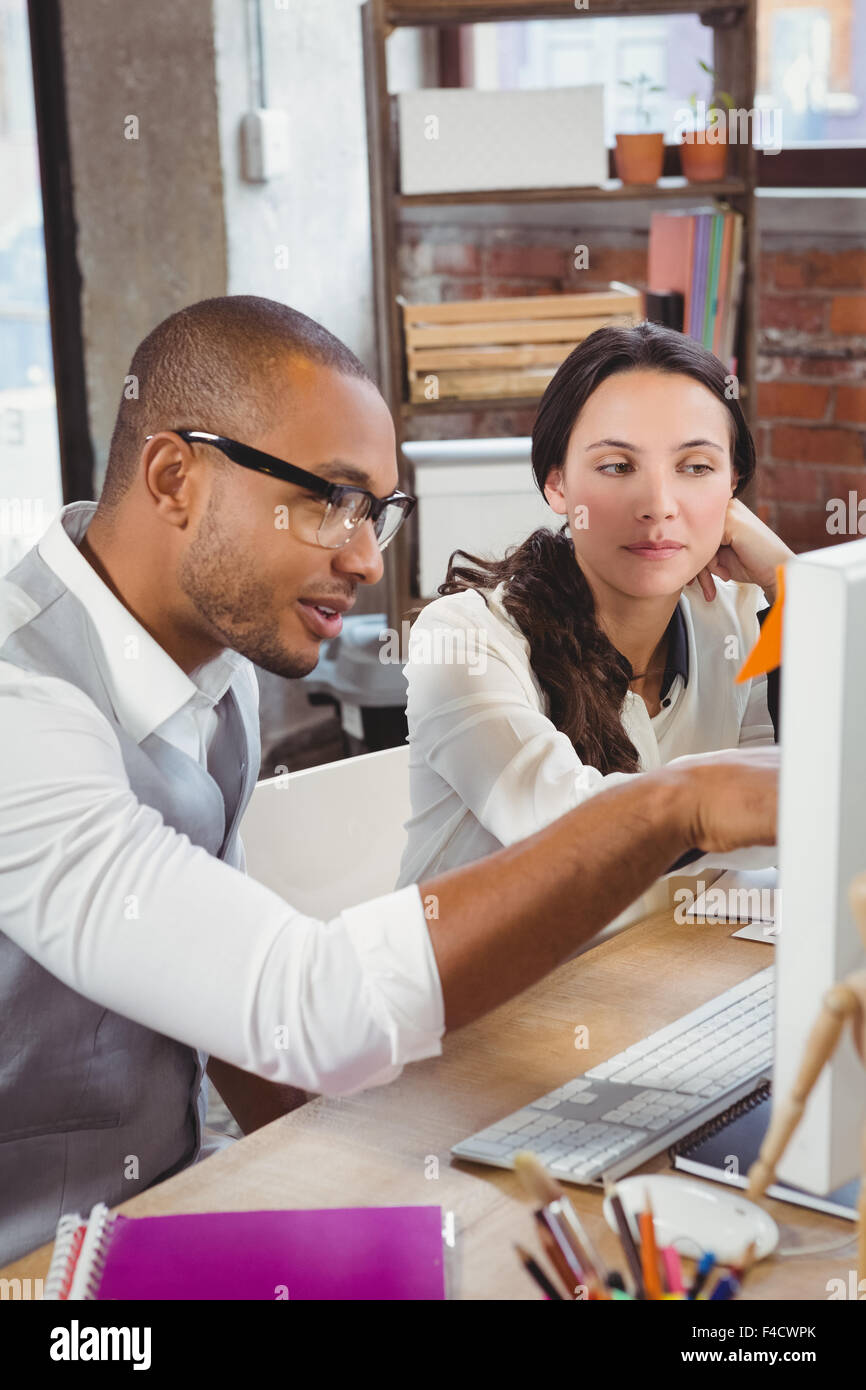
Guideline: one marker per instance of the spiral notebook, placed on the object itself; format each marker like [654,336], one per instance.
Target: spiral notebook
[738,1133]
[359,1253]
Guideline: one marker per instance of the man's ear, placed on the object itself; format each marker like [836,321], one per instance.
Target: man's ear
[167,465]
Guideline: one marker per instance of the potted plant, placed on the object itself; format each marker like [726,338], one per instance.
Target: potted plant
[639,157]
[704,150]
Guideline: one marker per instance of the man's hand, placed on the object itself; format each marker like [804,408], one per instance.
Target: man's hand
[504,921]
[730,797]
[252,1100]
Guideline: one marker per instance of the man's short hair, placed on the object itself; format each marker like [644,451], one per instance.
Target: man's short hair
[215,366]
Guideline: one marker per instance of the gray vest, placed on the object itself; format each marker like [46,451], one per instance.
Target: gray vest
[93,1107]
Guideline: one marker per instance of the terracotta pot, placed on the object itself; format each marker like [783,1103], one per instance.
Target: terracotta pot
[701,160]
[639,158]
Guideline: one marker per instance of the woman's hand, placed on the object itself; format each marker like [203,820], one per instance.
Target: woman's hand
[749,553]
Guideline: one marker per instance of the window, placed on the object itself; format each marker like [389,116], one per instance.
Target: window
[30,479]
[810,68]
[572,52]
[807,67]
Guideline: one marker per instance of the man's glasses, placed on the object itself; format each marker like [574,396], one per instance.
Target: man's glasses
[345,508]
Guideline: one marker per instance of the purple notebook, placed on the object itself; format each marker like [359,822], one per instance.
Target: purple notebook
[339,1253]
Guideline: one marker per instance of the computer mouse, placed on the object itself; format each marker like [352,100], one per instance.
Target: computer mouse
[696,1216]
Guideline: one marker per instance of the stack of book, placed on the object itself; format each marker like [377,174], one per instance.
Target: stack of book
[700,254]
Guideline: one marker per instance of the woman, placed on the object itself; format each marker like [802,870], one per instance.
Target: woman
[594,653]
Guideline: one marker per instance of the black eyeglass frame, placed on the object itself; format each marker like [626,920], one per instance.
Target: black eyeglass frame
[260,462]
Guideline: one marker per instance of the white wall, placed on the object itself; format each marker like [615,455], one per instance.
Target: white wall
[319,211]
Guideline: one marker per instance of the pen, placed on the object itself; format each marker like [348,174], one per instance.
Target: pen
[673,1269]
[571,1249]
[726,1287]
[626,1240]
[747,1259]
[706,1264]
[559,1252]
[597,1290]
[534,1270]
[649,1255]
[545,1189]
[730,1283]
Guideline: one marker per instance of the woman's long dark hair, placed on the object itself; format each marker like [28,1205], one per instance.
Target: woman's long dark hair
[575,663]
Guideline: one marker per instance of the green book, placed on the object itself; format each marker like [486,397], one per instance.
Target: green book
[711,302]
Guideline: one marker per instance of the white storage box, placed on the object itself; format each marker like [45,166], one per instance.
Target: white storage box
[457,140]
[477,495]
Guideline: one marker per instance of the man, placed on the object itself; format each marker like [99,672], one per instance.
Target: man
[132,948]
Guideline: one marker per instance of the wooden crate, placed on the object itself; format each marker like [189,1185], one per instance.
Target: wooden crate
[481,349]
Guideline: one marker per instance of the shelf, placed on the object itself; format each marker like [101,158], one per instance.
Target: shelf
[412,12]
[666,188]
[734,58]
[409,408]
[453,406]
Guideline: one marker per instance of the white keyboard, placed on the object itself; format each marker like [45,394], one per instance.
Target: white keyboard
[624,1111]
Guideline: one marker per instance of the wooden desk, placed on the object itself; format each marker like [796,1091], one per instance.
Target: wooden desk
[377,1147]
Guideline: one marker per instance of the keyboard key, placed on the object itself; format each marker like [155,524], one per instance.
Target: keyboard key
[656,1078]
[622,1146]
[542,1121]
[631,1072]
[517,1120]
[561,1132]
[656,1122]
[693,1087]
[534,1127]
[579,1084]
[547,1155]
[603,1070]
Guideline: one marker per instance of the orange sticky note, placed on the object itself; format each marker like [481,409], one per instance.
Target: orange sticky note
[766,654]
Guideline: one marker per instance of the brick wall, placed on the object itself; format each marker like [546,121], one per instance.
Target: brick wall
[811,388]
[810,429]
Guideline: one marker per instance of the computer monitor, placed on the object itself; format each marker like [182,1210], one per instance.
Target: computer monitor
[822,846]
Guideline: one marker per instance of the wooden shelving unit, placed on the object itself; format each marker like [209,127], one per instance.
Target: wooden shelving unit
[673,188]
[734,59]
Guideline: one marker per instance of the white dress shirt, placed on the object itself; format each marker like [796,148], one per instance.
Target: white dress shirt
[487,765]
[214,959]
